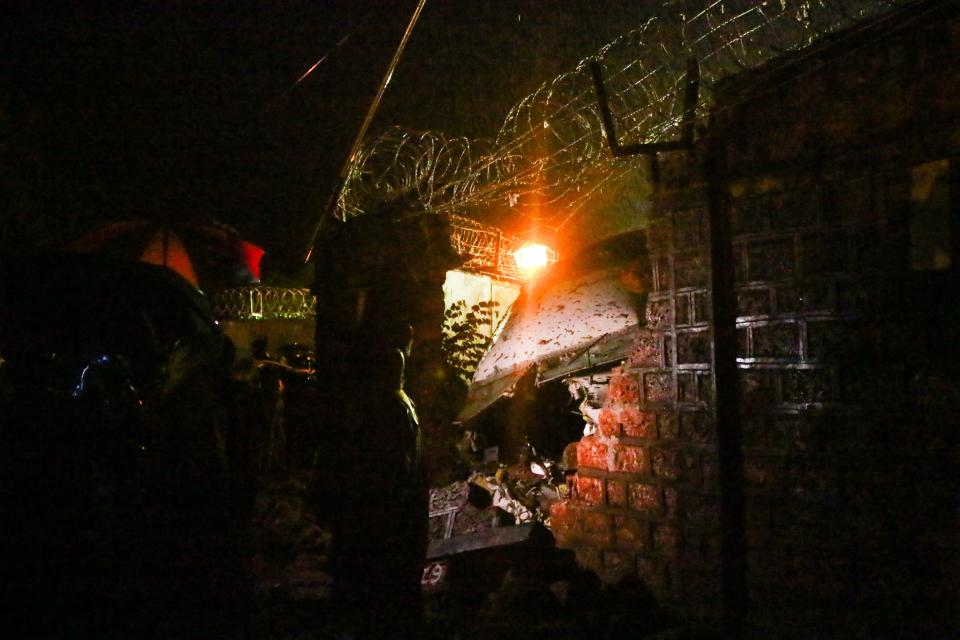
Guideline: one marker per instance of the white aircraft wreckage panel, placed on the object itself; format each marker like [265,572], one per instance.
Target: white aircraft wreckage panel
[566,323]
[560,319]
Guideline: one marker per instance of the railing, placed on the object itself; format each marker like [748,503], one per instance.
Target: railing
[488,249]
[264,303]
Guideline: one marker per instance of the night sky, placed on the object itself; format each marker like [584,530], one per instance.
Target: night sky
[187,110]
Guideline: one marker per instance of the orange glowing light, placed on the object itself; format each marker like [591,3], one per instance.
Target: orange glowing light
[531,257]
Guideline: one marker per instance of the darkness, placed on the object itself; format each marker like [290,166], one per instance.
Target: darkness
[186,110]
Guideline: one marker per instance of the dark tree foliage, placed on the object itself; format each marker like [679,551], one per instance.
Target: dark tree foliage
[464,338]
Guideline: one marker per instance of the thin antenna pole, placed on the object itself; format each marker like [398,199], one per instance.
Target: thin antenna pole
[312,68]
[361,134]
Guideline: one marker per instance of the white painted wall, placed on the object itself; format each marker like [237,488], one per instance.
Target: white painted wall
[474,288]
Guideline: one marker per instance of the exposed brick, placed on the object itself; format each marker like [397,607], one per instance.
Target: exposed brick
[590,490]
[616,493]
[608,423]
[646,352]
[592,453]
[659,314]
[667,425]
[658,387]
[623,387]
[575,522]
[645,497]
[569,456]
[696,426]
[562,518]
[637,423]
[630,459]
[665,463]
[595,527]
[631,533]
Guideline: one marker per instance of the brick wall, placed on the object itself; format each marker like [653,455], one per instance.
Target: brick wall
[646,500]
[846,376]
[848,471]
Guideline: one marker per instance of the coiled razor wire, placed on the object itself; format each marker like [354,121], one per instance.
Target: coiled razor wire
[263,303]
[550,155]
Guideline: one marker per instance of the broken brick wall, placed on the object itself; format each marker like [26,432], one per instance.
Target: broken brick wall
[646,498]
[847,388]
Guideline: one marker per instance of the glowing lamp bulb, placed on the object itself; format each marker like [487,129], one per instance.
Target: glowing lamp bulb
[531,257]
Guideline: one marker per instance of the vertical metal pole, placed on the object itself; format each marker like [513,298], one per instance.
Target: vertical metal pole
[729,429]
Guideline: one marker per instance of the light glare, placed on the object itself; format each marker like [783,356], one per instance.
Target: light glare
[531,257]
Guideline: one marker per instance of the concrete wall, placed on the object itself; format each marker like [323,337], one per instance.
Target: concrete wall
[473,288]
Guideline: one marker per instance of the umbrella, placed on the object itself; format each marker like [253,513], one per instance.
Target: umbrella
[210,256]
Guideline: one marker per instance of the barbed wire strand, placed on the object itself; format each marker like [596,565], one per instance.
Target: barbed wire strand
[550,156]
